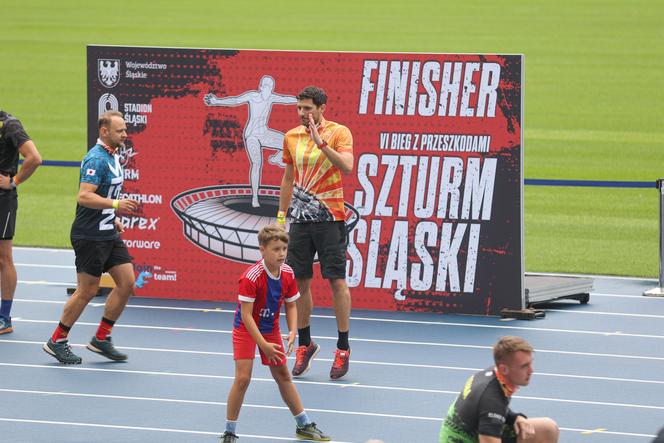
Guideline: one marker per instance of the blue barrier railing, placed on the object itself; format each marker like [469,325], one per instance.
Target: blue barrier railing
[63,163]
[527,181]
[592,183]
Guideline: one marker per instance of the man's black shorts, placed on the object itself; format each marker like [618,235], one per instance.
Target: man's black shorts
[96,257]
[8,207]
[328,239]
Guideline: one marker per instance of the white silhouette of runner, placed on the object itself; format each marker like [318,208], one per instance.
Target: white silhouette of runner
[256,133]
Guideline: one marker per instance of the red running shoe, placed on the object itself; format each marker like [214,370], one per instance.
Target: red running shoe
[303,357]
[340,364]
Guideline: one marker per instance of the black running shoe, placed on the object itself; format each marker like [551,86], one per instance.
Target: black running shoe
[62,352]
[311,432]
[229,437]
[106,348]
[5,325]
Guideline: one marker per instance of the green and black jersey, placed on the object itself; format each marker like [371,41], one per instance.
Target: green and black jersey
[481,408]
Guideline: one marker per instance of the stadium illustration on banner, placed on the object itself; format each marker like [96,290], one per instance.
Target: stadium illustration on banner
[225,220]
[434,203]
[222,221]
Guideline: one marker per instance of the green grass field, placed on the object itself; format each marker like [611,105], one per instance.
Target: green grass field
[593,96]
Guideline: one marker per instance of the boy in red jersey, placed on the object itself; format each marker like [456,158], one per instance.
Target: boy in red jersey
[264,286]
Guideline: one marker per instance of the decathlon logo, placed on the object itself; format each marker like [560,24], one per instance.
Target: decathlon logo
[108,71]
[108,102]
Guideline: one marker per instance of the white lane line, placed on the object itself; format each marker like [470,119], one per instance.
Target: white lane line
[640,297]
[594,354]
[362,362]
[465,325]
[225,311]
[383,341]
[38,265]
[597,377]
[228,311]
[422,322]
[521,328]
[133,348]
[336,385]
[604,431]
[143,428]
[262,437]
[129,305]
[161,328]
[213,403]
[219,310]
[46,283]
[618,314]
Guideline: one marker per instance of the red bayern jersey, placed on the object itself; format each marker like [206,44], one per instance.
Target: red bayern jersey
[267,292]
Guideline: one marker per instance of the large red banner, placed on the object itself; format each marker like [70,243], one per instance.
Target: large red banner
[434,203]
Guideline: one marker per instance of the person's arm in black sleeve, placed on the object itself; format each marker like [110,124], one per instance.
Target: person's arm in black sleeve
[491,414]
[15,133]
[511,416]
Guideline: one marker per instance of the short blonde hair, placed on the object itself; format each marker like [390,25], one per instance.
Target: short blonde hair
[509,345]
[272,232]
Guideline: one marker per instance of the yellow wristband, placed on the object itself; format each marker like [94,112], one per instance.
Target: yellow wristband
[116,204]
[281,218]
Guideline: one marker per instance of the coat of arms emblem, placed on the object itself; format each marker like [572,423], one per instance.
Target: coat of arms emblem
[108,71]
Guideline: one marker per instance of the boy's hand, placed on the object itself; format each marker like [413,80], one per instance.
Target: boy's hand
[290,341]
[273,352]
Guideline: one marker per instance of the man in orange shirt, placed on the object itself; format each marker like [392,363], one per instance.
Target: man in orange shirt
[316,153]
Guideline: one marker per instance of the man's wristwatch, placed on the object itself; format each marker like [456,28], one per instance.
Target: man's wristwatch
[322,145]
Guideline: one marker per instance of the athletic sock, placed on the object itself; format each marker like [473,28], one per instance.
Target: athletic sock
[104,329]
[301,419]
[230,426]
[60,333]
[304,336]
[5,308]
[342,341]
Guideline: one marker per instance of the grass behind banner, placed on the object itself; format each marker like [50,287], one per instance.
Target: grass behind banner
[592,108]
[46,207]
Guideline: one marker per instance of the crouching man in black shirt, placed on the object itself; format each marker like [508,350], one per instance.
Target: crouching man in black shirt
[481,413]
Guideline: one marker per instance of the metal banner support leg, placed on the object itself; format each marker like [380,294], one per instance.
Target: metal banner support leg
[659,291]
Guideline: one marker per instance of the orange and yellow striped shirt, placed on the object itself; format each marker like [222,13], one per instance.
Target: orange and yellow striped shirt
[318,193]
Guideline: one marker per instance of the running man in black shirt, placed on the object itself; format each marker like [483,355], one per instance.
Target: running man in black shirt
[481,412]
[97,243]
[13,141]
